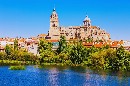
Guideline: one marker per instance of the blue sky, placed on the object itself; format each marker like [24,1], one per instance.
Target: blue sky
[28,18]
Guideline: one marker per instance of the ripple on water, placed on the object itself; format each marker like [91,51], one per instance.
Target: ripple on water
[61,76]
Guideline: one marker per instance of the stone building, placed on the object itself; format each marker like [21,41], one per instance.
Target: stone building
[73,32]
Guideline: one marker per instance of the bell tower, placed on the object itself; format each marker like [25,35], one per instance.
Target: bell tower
[87,21]
[54,32]
[54,23]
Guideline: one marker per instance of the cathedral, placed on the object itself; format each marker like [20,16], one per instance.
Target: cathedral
[75,32]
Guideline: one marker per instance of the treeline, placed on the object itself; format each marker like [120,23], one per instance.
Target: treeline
[77,54]
[68,53]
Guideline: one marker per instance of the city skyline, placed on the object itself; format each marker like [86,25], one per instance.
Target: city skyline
[26,19]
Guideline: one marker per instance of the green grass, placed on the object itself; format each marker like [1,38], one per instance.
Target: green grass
[17,67]
[15,62]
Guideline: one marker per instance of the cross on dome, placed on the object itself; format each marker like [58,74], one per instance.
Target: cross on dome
[54,9]
[87,18]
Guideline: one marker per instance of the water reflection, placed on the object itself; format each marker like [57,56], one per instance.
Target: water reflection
[104,78]
[62,76]
[79,69]
[122,78]
[53,76]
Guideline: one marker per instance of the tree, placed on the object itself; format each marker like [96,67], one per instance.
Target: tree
[123,58]
[45,50]
[2,55]
[78,53]
[15,44]
[93,50]
[103,59]
[8,49]
[44,45]
[62,44]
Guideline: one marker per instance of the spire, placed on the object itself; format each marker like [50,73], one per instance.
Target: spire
[54,11]
[86,14]
[54,8]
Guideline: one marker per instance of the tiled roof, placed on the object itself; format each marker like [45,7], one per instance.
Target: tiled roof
[88,44]
[113,44]
[52,40]
[41,35]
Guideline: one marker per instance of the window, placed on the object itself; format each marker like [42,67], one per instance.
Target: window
[53,25]
[96,33]
[91,31]
[85,29]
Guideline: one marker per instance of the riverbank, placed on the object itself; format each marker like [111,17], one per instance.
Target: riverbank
[15,62]
[37,65]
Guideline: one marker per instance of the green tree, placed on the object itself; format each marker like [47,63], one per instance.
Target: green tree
[15,44]
[93,50]
[123,59]
[44,45]
[62,44]
[102,59]
[2,55]
[78,53]
[45,51]
[8,49]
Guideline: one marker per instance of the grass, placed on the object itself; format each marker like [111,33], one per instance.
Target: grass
[15,62]
[17,67]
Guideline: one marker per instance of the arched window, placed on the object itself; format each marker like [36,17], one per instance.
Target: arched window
[96,33]
[91,31]
[53,25]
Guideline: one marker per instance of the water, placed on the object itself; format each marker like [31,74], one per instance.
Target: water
[61,76]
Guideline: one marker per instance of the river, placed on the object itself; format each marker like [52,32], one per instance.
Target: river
[61,76]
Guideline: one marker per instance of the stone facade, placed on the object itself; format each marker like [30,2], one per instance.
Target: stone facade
[73,32]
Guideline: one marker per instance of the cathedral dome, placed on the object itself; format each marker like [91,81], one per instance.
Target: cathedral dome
[87,18]
[54,12]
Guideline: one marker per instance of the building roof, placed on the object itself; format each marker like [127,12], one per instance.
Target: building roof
[52,40]
[42,35]
[87,18]
[54,12]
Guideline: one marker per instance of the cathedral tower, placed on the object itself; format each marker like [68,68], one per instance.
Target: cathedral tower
[54,32]
[87,21]
[54,23]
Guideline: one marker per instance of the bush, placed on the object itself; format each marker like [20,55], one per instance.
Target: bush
[17,68]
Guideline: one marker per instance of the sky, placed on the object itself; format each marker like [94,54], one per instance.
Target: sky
[27,18]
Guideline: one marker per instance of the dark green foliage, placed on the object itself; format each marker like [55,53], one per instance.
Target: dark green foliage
[15,44]
[123,58]
[8,50]
[110,59]
[62,44]
[78,53]
[45,51]
[44,45]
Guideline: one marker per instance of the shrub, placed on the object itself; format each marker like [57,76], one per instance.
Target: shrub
[17,68]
